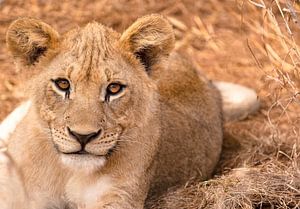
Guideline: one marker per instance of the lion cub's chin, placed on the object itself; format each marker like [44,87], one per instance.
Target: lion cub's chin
[85,163]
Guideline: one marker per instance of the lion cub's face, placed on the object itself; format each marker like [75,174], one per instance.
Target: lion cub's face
[94,88]
[89,99]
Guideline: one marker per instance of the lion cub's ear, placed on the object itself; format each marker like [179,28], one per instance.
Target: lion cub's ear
[29,39]
[150,39]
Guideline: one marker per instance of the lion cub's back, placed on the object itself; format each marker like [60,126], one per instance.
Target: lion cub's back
[191,125]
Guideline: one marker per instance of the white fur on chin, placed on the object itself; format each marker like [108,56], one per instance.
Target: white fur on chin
[85,163]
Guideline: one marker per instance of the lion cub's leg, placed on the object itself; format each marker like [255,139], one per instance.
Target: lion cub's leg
[12,192]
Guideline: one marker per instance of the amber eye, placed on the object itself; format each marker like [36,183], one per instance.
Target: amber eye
[114,88]
[62,84]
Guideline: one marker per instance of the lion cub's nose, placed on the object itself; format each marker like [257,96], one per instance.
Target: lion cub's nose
[83,139]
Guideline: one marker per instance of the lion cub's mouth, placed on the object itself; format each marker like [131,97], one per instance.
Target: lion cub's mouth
[81,152]
[84,152]
[85,160]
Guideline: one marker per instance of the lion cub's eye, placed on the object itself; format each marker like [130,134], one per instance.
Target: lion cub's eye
[62,84]
[113,89]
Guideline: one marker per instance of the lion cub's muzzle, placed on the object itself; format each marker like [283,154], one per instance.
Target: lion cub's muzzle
[98,143]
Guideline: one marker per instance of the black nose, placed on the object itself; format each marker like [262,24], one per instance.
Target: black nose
[83,139]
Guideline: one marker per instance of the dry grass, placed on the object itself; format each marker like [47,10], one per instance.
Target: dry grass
[270,186]
[264,176]
[250,42]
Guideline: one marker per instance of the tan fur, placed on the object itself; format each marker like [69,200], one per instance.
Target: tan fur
[11,184]
[164,128]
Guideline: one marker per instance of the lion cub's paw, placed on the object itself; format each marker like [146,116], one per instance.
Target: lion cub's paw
[238,101]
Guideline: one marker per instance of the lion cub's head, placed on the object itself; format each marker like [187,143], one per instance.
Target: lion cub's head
[94,86]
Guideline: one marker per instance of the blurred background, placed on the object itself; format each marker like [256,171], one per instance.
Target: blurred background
[249,42]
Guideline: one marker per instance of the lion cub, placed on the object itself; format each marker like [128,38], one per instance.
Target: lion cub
[114,117]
